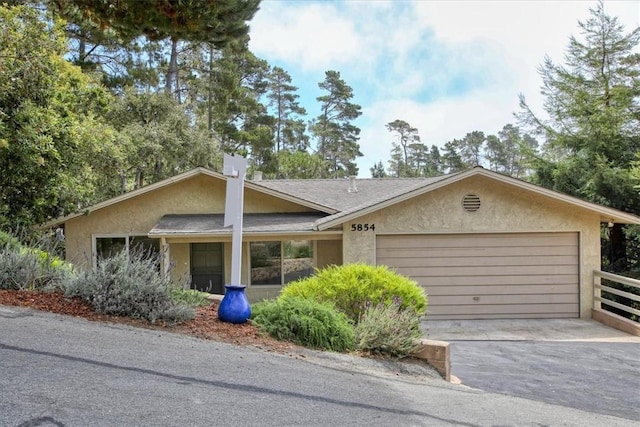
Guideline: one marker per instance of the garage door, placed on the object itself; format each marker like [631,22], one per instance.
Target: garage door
[489,276]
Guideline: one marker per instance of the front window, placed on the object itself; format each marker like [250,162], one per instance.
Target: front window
[109,246]
[278,263]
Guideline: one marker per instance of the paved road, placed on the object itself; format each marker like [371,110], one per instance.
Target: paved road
[61,371]
[576,363]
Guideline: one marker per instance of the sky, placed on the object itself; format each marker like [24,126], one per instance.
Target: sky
[445,67]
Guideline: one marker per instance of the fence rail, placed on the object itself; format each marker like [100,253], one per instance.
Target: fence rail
[599,288]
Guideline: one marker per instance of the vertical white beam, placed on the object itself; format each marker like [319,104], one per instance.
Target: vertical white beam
[235,168]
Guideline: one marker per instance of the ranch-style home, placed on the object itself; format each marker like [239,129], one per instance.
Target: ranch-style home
[482,244]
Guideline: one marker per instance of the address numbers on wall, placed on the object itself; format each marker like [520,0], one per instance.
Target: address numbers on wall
[363,227]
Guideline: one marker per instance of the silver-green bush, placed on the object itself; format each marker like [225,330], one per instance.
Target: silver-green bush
[130,285]
[23,267]
[388,329]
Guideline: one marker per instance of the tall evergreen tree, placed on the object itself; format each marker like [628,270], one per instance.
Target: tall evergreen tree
[336,136]
[289,130]
[377,171]
[592,128]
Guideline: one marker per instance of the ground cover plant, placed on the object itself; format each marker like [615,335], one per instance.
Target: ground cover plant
[305,322]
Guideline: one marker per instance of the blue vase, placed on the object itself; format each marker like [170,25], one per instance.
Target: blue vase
[234,307]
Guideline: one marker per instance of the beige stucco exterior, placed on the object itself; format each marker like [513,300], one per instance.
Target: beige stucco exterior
[507,206]
[504,208]
[200,194]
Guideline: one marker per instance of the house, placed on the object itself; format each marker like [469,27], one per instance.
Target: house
[483,245]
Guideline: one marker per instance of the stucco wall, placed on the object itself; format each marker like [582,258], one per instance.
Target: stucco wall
[136,216]
[503,209]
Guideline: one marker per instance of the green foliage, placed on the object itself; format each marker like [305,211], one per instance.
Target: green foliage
[7,241]
[333,129]
[24,267]
[218,22]
[388,329]
[130,285]
[353,287]
[48,126]
[304,322]
[190,297]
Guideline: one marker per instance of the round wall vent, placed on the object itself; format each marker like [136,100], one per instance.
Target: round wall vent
[470,203]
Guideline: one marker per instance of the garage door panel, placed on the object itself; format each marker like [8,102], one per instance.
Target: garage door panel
[483,271]
[453,281]
[504,299]
[473,252]
[509,289]
[488,261]
[519,275]
[500,309]
[502,316]
[478,240]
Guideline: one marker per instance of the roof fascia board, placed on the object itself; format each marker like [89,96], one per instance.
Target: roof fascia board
[605,212]
[183,237]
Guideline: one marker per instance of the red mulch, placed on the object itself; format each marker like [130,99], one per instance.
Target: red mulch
[206,325]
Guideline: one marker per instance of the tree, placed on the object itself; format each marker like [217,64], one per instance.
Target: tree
[470,148]
[218,22]
[592,128]
[406,134]
[377,171]
[300,165]
[289,131]
[510,151]
[337,138]
[433,165]
[52,141]
[451,160]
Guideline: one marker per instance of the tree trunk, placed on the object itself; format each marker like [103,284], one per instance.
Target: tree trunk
[172,71]
[618,250]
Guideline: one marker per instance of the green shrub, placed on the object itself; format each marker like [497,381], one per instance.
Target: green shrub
[388,329]
[190,297]
[8,241]
[23,267]
[304,322]
[130,285]
[350,287]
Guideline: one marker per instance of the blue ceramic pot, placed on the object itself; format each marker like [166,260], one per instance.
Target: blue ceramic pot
[234,307]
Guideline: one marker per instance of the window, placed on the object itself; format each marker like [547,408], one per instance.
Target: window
[109,246]
[278,263]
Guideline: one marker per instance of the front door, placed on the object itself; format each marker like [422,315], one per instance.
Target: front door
[207,273]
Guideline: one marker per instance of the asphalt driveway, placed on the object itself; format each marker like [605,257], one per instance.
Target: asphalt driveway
[575,363]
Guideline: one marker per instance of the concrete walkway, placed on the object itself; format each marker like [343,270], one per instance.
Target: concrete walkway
[585,330]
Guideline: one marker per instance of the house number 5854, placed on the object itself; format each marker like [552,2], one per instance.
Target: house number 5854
[363,227]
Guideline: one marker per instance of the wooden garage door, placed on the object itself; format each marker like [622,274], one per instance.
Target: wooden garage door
[489,276]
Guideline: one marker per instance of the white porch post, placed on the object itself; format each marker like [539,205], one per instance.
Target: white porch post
[235,168]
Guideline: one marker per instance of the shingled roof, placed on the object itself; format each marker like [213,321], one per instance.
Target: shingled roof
[335,194]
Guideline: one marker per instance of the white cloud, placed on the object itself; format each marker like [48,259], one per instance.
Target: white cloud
[312,36]
[446,67]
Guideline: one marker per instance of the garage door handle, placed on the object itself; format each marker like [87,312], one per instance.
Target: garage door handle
[476,298]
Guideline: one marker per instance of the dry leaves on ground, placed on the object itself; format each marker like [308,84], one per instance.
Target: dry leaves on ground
[206,325]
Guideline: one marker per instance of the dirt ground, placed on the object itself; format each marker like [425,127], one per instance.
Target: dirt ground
[206,325]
